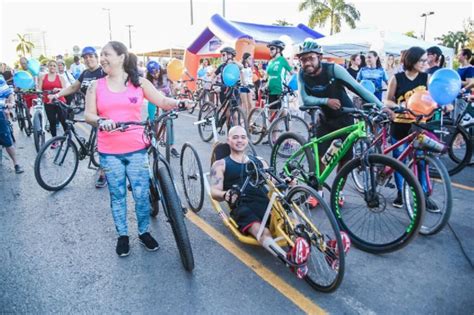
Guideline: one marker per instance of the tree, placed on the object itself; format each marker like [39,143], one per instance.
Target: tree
[411,34]
[24,46]
[333,11]
[282,23]
[455,40]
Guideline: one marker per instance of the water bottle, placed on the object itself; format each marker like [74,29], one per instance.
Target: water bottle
[423,141]
[333,148]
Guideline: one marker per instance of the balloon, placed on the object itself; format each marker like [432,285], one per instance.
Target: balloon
[201,73]
[421,103]
[369,85]
[175,69]
[23,80]
[231,74]
[444,86]
[34,66]
[293,83]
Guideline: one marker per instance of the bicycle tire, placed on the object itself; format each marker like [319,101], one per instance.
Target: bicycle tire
[38,133]
[409,225]
[207,111]
[176,218]
[288,121]
[20,117]
[167,139]
[38,171]
[327,229]
[93,149]
[192,174]
[28,123]
[257,129]
[434,222]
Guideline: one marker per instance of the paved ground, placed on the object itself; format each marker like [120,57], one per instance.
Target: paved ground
[57,254]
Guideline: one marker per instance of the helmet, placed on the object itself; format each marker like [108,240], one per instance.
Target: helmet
[276,43]
[88,50]
[229,50]
[152,66]
[309,46]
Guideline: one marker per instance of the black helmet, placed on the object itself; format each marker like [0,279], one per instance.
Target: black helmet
[276,43]
[229,50]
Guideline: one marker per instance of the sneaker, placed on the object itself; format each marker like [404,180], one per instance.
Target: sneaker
[101,181]
[18,169]
[332,257]
[174,153]
[123,247]
[299,255]
[398,202]
[149,242]
[431,205]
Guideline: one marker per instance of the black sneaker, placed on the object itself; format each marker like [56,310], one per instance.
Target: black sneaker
[18,169]
[174,153]
[101,181]
[149,242]
[123,247]
[398,202]
[431,205]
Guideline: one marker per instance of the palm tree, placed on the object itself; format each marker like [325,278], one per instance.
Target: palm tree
[333,10]
[282,23]
[25,46]
[411,34]
[454,40]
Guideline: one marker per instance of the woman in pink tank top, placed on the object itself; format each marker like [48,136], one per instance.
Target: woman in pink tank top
[117,97]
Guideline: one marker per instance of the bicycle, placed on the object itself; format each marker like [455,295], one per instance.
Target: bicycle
[79,102]
[22,113]
[261,122]
[163,132]
[57,161]
[358,213]
[40,121]
[184,93]
[203,94]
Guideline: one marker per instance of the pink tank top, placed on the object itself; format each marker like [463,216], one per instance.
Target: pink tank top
[120,107]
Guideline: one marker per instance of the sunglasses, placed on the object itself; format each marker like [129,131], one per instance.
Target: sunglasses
[272,48]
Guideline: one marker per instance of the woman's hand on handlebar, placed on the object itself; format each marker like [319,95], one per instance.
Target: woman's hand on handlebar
[107,125]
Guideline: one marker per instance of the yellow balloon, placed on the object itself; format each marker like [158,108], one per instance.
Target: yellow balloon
[175,69]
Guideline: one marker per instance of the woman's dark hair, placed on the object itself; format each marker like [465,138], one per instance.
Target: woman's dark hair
[130,63]
[362,61]
[378,64]
[354,56]
[467,52]
[411,57]
[151,78]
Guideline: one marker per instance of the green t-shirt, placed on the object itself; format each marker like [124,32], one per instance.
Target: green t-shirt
[276,71]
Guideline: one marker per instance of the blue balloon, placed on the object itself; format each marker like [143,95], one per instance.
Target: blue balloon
[23,80]
[34,66]
[293,83]
[444,86]
[369,85]
[202,73]
[231,74]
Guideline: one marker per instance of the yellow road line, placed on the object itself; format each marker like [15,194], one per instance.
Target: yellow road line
[461,186]
[279,284]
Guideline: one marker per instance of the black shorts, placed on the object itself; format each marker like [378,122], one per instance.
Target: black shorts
[273,98]
[248,213]
[326,126]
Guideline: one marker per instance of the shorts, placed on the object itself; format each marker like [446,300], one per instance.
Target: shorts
[273,98]
[326,126]
[244,89]
[6,139]
[249,212]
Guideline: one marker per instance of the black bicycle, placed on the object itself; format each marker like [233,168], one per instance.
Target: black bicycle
[78,102]
[58,159]
[22,113]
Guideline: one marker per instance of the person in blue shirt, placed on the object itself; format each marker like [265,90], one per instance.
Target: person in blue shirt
[465,70]
[373,72]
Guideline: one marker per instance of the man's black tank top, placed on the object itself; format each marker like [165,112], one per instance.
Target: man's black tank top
[235,174]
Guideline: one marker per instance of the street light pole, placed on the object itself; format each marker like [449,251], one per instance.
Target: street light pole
[129,35]
[110,24]
[191,3]
[425,15]
[223,8]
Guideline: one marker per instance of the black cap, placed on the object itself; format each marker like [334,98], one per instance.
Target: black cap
[435,50]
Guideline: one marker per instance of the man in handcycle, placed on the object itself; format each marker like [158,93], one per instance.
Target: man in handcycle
[249,206]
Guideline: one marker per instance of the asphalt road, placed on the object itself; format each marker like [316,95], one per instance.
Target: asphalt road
[57,254]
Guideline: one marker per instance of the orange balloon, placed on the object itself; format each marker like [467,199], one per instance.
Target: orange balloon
[175,69]
[421,103]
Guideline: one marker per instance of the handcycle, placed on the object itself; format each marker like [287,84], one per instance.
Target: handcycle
[262,122]
[364,214]
[58,159]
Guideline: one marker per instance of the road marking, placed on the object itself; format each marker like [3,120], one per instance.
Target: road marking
[461,186]
[271,278]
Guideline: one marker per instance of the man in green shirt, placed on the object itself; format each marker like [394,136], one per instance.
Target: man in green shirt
[277,70]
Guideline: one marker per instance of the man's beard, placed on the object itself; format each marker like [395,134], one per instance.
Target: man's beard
[312,72]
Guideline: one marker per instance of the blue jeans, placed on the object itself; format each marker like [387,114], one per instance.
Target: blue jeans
[119,167]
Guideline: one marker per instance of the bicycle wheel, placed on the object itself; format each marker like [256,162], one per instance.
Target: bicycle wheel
[206,112]
[176,218]
[56,165]
[27,118]
[326,263]
[238,118]
[289,123]
[373,224]
[257,126]
[38,133]
[94,156]
[192,177]
[438,192]
[167,140]
[20,116]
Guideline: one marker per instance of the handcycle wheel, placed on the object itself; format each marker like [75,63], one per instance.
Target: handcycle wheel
[439,191]
[192,177]
[257,127]
[326,264]
[373,224]
[56,167]
[289,123]
[38,133]
[206,112]
[176,218]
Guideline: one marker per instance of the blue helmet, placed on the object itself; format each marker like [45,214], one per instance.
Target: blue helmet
[152,66]
[88,50]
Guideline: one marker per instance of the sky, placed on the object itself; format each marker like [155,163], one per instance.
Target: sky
[161,23]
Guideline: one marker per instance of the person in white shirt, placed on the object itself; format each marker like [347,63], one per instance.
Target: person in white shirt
[76,68]
[68,77]
[246,78]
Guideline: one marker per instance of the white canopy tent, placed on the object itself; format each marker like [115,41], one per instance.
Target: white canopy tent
[363,39]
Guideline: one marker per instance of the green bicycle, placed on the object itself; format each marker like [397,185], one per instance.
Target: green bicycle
[367,214]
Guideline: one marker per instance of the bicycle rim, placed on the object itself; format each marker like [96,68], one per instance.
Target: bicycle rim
[257,127]
[290,123]
[192,177]
[206,112]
